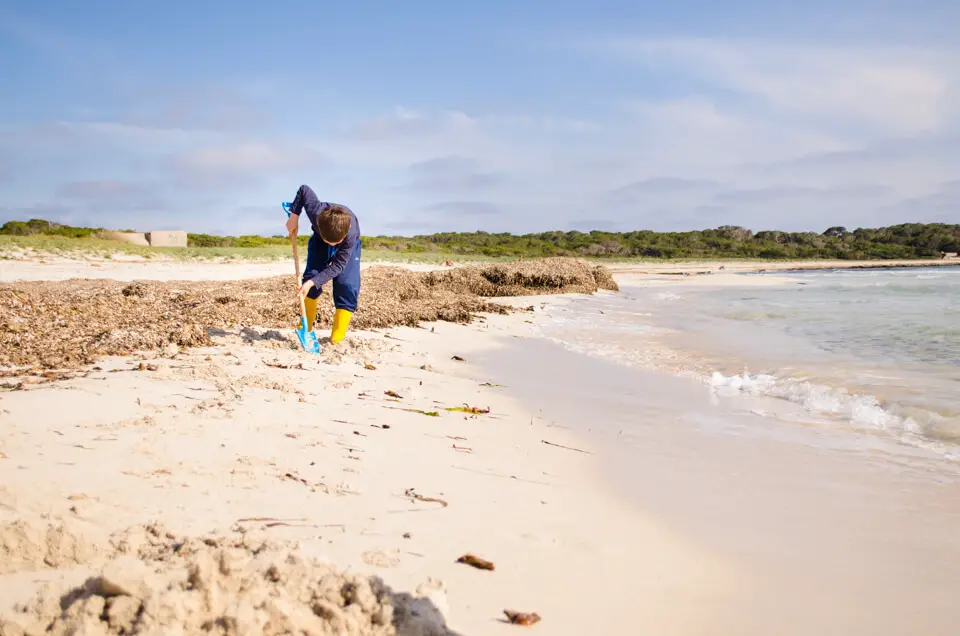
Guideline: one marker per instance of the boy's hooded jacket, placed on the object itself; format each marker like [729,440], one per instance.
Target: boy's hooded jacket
[306,199]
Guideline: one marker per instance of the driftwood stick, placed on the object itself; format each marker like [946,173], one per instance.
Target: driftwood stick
[579,450]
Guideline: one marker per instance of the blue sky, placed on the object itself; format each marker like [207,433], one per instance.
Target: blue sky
[500,115]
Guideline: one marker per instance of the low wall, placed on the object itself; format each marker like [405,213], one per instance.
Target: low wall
[136,238]
[171,238]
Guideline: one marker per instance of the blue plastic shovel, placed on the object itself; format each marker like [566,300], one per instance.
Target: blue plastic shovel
[308,339]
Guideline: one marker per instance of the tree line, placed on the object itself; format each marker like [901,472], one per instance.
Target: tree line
[904,241]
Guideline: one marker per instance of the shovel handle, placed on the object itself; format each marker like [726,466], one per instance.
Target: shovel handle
[303,312]
[296,273]
[296,258]
[296,262]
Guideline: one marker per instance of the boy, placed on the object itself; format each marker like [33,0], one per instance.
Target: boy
[333,254]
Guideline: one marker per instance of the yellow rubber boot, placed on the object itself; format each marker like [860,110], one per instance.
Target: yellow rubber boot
[341,320]
[310,304]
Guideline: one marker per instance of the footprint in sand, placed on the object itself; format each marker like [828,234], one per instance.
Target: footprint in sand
[382,558]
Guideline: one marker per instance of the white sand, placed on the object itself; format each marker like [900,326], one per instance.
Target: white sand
[163,270]
[215,435]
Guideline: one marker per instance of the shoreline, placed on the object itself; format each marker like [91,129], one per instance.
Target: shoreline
[711,273]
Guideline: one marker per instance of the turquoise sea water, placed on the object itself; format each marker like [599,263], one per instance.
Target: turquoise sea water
[877,351]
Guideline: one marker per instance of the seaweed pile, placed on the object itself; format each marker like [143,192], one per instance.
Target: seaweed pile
[544,276]
[66,324]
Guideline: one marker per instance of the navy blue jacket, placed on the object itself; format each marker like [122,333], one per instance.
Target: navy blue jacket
[306,199]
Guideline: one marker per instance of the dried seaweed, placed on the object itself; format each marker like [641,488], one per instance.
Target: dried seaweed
[421,412]
[477,562]
[69,324]
[521,618]
[473,410]
[542,276]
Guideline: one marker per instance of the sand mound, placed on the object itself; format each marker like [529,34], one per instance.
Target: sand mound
[234,584]
[24,546]
[67,324]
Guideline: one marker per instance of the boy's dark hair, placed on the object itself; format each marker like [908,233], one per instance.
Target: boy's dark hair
[333,224]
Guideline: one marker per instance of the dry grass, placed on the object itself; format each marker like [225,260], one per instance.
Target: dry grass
[68,324]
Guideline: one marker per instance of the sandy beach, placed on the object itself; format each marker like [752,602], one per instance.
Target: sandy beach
[358,459]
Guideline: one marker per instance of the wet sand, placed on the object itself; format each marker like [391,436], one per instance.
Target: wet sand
[831,537]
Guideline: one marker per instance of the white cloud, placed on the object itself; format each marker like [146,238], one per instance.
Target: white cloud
[451,173]
[245,162]
[942,205]
[881,89]
[103,190]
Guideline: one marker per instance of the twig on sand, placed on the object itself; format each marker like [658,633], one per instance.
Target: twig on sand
[295,478]
[276,364]
[579,450]
[409,492]
[501,475]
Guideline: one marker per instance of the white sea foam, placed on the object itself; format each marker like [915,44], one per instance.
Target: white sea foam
[861,410]
[920,428]
[668,296]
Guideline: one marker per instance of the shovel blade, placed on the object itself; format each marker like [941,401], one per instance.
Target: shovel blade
[308,339]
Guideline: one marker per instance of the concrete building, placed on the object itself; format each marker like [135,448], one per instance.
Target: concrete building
[159,238]
[167,238]
[135,238]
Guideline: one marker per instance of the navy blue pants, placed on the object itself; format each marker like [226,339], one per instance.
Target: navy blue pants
[346,286]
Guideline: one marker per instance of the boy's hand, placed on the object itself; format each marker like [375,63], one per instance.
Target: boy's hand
[293,224]
[302,292]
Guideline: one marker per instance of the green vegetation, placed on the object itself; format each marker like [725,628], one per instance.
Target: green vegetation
[906,241]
